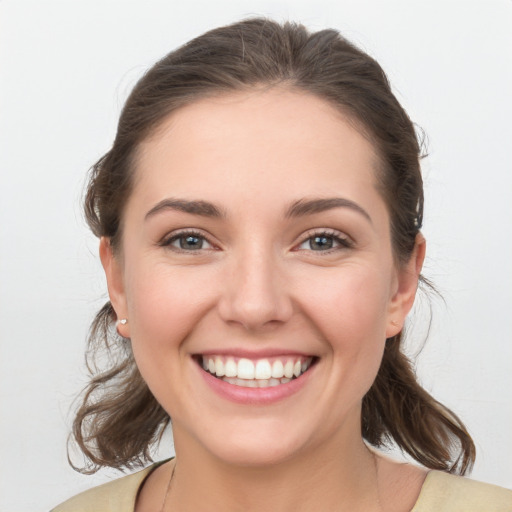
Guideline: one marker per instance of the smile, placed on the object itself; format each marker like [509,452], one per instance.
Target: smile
[259,373]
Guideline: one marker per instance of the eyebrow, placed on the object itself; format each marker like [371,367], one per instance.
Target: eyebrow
[202,208]
[299,208]
[304,207]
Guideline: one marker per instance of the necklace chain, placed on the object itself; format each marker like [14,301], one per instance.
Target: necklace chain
[169,484]
[168,489]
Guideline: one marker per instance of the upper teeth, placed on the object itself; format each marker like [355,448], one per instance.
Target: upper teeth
[248,369]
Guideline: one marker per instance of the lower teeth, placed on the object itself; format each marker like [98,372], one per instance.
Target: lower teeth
[255,383]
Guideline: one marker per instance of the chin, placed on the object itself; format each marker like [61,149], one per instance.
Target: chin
[255,455]
[256,446]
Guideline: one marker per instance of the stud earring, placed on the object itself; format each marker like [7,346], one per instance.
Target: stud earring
[394,322]
[121,321]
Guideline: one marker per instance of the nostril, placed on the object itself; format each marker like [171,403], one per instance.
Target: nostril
[256,299]
[256,316]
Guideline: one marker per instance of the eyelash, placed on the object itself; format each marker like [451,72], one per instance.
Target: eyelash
[342,241]
[167,242]
[338,238]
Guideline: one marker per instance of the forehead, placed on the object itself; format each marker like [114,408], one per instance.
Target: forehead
[252,144]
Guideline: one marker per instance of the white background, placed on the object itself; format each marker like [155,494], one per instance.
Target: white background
[66,68]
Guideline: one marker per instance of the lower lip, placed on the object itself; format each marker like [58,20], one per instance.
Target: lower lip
[255,396]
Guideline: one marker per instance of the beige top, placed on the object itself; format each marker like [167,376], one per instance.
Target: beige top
[441,492]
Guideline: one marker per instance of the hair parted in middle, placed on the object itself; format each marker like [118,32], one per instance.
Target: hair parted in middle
[119,419]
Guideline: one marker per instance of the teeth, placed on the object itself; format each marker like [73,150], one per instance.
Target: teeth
[277,369]
[260,373]
[245,369]
[230,369]
[219,367]
[288,369]
[255,383]
[263,370]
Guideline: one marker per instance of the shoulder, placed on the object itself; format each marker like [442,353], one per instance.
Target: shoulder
[444,492]
[116,496]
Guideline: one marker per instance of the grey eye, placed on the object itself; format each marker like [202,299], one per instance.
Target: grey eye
[188,242]
[318,243]
[321,243]
[191,242]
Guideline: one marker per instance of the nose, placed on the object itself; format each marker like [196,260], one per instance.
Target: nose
[255,294]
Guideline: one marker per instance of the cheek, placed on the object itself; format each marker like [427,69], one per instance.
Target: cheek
[164,304]
[351,303]
[350,311]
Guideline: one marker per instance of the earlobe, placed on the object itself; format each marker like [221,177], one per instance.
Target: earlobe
[115,284]
[408,278]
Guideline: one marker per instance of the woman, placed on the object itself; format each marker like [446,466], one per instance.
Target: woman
[259,219]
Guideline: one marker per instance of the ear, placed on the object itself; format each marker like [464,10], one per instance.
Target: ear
[407,284]
[115,284]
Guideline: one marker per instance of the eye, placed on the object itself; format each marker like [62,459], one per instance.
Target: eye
[324,241]
[188,241]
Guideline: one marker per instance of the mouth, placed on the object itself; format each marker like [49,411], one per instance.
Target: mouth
[256,373]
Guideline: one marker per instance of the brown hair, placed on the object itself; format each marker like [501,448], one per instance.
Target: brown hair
[119,419]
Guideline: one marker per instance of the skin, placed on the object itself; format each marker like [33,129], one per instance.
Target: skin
[258,284]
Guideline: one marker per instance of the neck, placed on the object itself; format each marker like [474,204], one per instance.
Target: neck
[342,476]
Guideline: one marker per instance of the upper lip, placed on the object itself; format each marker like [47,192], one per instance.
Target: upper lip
[254,354]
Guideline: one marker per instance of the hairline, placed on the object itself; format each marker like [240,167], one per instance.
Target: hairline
[343,111]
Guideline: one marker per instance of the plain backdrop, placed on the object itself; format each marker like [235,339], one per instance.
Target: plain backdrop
[65,70]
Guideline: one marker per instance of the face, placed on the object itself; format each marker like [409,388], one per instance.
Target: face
[257,276]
